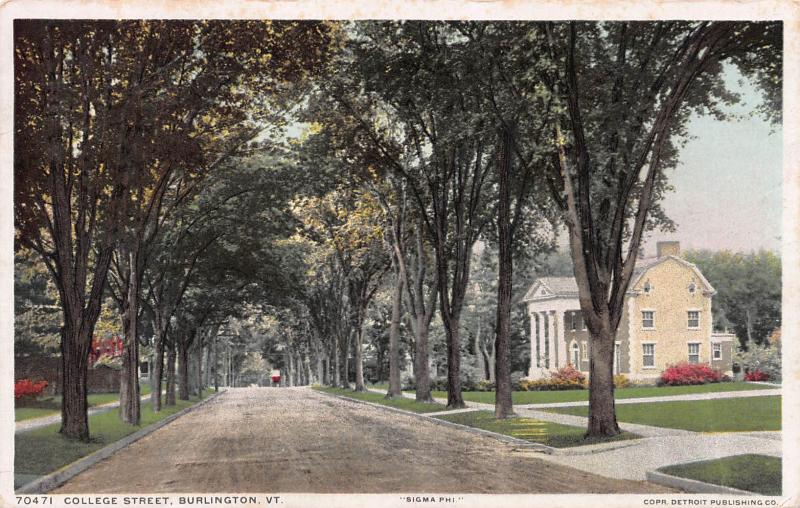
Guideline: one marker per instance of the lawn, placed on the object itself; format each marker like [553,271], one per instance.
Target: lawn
[52,405]
[720,415]
[377,398]
[754,473]
[545,397]
[44,450]
[530,429]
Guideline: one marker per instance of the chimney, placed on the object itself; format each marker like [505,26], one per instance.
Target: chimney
[668,249]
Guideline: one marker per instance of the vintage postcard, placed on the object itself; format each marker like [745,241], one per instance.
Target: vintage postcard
[426,253]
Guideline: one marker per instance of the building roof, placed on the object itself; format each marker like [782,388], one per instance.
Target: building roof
[567,287]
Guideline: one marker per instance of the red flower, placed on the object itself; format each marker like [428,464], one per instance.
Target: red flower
[690,374]
[27,388]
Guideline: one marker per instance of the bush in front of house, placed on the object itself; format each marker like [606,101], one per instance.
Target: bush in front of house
[756,375]
[765,359]
[621,381]
[689,374]
[27,390]
[565,378]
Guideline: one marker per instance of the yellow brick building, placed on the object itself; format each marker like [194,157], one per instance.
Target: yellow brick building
[667,319]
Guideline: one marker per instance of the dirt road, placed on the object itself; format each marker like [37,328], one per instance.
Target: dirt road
[298,440]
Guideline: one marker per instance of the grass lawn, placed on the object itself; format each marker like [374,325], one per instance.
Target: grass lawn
[530,429]
[44,450]
[546,397]
[52,405]
[721,415]
[754,473]
[407,404]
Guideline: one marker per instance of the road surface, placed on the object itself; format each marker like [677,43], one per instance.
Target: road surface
[299,440]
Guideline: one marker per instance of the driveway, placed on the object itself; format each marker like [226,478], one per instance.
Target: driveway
[298,440]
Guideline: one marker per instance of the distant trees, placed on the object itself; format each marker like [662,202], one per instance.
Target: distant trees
[748,298]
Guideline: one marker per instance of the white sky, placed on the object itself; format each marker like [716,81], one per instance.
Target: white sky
[728,184]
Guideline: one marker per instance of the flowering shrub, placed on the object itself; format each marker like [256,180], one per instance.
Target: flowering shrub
[689,374]
[484,385]
[766,359]
[756,375]
[565,378]
[621,381]
[27,389]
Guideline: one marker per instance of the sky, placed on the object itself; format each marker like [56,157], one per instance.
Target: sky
[728,183]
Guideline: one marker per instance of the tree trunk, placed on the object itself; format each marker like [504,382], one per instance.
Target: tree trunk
[423,378]
[171,357]
[346,362]
[183,371]
[290,368]
[129,403]
[395,390]
[74,372]
[359,359]
[503,406]
[336,371]
[157,372]
[602,415]
[199,367]
[455,400]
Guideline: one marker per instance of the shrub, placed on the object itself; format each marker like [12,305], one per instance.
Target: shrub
[104,360]
[621,381]
[484,385]
[25,389]
[565,378]
[756,375]
[689,374]
[568,374]
[766,359]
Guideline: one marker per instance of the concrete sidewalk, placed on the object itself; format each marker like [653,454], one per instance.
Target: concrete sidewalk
[633,462]
[666,398]
[44,421]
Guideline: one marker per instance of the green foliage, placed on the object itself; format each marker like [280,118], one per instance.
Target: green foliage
[765,358]
[748,288]
[37,315]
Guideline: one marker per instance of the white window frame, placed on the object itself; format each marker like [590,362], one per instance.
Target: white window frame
[716,351]
[689,319]
[572,318]
[584,350]
[616,369]
[653,355]
[689,352]
[653,319]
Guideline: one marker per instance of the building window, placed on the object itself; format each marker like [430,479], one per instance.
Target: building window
[575,350]
[694,353]
[648,319]
[616,358]
[694,319]
[692,287]
[648,355]
[584,351]
[572,321]
[716,349]
[648,288]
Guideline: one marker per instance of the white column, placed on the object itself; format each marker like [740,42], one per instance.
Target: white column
[551,339]
[534,340]
[563,357]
